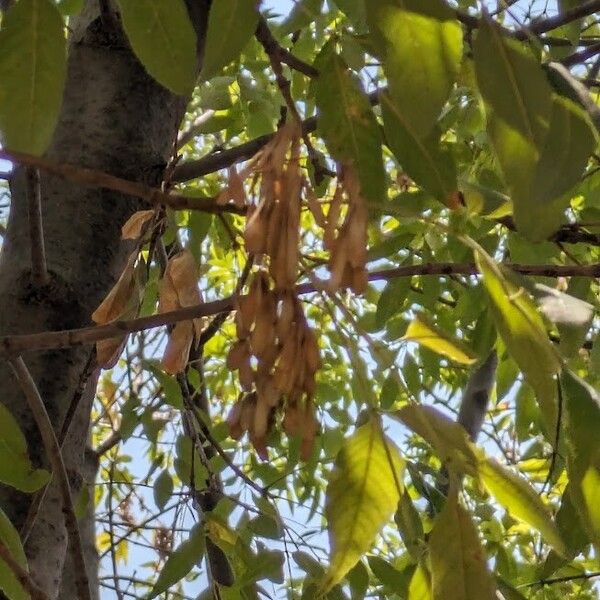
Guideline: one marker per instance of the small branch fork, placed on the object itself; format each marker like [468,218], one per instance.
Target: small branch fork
[59,471]
[13,345]
[274,49]
[39,271]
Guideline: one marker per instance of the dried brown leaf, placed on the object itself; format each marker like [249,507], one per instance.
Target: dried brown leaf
[177,352]
[117,300]
[136,224]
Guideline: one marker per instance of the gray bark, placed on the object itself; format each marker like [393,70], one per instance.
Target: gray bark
[115,118]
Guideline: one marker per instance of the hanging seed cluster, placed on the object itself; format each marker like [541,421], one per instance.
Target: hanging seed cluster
[347,242]
[273,227]
[277,354]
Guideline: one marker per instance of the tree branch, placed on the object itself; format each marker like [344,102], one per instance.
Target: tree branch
[38,410]
[581,56]
[39,271]
[567,234]
[274,48]
[99,179]
[15,344]
[585,9]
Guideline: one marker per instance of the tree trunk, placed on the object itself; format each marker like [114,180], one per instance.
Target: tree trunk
[115,118]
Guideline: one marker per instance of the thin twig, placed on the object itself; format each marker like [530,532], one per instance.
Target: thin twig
[581,56]
[591,575]
[188,136]
[39,271]
[12,345]
[274,48]
[585,9]
[204,432]
[40,415]
[22,575]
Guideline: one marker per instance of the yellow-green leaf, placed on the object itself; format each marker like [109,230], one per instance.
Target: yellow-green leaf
[348,124]
[458,562]
[16,469]
[512,83]
[542,140]
[32,75]
[422,53]
[428,335]
[419,587]
[9,584]
[582,412]
[362,493]
[522,329]
[520,499]
[447,437]
[163,38]
[231,24]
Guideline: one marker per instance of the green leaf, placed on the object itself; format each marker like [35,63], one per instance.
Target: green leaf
[387,573]
[513,84]
[171,392]
[390,391]
[520,499]
[358,578]
[181,561]
[163,38]
[422,56]
[348,124]
[523,332]
[569,143]
[424,333]
[392,300]
[163,489]
[16,469]
[302,15]
[410,527]
[355,10]
[9,584]
[458,562]
[572,533]
[430,164]
[447,437]
[363,491]
[582,412]
[542,140]
[32,71]
[231,24]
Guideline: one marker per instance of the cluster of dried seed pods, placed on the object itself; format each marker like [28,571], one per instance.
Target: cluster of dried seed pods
[273,226]
[347,242]
[277,357]
[277,354]
[122,302]
[179,289]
